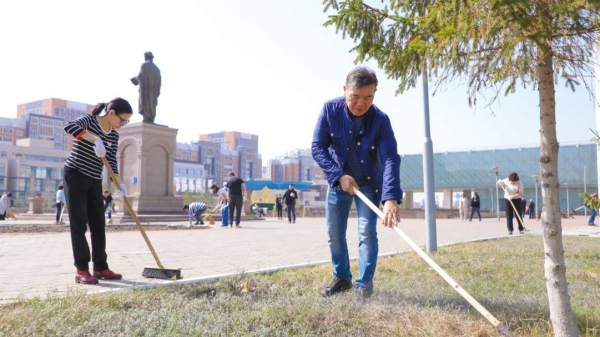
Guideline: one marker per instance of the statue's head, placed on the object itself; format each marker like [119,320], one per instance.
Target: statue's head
[148,56]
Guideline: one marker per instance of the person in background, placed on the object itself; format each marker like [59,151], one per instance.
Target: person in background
[95,137]
[513,191]
[463,207]
[531,209]
[279,206]
[195,211]
[475,205]
[60,202]
[593,211]
[223,196]
[258,210]
[5,206]
[108,200]
[289,198]
[236,189]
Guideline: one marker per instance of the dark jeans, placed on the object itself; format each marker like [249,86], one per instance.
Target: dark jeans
[291,211]
[280,212]
[473,210]
[236,202]
[86,207]
[532,213]
[510,212]
[3,216]
[198,216]
[59,207]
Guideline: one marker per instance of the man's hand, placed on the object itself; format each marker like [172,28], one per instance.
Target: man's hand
[391,213]
[346,183]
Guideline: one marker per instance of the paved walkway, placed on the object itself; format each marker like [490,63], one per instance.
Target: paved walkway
[41,264]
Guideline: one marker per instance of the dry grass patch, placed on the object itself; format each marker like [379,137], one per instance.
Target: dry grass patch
[506,276]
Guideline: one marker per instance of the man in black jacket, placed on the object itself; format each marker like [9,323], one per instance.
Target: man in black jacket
[475,204]
[289,198]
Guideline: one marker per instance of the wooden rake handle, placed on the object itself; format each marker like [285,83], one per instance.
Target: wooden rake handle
[130,209]
[483,311]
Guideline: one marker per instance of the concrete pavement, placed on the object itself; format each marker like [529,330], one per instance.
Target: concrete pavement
[41,264]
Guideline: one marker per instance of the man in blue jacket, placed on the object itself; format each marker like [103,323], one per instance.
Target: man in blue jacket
[354,145]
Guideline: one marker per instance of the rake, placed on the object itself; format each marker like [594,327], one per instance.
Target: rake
[483,311]
[152,272]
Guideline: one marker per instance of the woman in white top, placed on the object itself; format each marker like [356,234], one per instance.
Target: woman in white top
[463,207]
[513,191]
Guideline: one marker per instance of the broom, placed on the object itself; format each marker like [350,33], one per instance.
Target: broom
[62,211]
[483,311]
[209,217]
[152,272]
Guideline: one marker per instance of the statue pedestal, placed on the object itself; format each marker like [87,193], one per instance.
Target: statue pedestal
[146,163]
[35,206]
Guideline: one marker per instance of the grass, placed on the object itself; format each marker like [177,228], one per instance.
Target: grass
[506,276]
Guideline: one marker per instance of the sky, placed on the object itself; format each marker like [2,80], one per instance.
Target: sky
[260,67]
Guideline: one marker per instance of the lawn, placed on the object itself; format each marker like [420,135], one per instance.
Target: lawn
[410,299]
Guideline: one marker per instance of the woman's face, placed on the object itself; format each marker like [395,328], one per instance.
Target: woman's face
[117,121]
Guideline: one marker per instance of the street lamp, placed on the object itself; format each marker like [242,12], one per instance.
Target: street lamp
[497,197]
[568,214]
[536,178]
[492,199]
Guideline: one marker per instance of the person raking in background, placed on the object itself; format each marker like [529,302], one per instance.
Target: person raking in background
[5,206]
[279,206]
[108,200]
[513,191]
[593,211]
[60,203]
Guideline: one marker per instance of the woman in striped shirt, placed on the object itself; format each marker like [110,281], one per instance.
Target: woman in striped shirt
[95,137]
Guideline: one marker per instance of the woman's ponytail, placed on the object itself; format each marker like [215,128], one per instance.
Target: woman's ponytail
[98,109]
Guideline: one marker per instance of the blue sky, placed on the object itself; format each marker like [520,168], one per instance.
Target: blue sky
[262,67]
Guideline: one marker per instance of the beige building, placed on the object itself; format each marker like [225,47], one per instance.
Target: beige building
[32,166]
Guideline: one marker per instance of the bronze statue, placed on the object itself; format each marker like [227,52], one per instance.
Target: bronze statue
[149,82]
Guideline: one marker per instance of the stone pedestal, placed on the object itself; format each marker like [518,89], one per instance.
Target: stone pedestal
[35,206]
[146,163]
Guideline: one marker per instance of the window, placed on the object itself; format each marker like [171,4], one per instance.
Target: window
[3,154]
[40,172]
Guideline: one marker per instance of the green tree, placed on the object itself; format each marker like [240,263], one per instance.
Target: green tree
[492,46]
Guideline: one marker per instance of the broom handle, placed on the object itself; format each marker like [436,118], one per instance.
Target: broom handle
[483,311]
[513,206]
[137,221]
[62,211]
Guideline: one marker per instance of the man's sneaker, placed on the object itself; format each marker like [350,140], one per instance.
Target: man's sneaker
[509,232]
[83,276]
[522,232]
[238,226]
[107,275]
[363,293]
[109,220]
[338,285]
[591,224]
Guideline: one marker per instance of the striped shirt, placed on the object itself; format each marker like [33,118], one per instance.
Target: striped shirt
[83,157]
[195,207]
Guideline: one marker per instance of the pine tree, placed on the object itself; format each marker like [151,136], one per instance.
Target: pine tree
[491,45]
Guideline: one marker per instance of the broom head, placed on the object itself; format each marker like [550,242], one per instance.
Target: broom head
[162,273]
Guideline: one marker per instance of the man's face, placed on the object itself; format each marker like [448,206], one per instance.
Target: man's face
[291,187]
[105,194]
[359,100]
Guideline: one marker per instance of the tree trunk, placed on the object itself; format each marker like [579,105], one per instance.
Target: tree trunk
[555,271]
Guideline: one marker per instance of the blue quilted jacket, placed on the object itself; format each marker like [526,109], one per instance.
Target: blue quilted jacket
[377,148]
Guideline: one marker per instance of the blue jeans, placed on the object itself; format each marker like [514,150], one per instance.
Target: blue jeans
[473,210]
[592,214]
[225,216]
[336,216]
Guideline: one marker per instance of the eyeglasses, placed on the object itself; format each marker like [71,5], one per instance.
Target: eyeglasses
[123,121]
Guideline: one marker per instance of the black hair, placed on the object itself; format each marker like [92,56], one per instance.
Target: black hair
[118,104]
[60,187]
[9,194]
[361,77]
[186,207]
[105,191]
[292,185]
[513,177]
